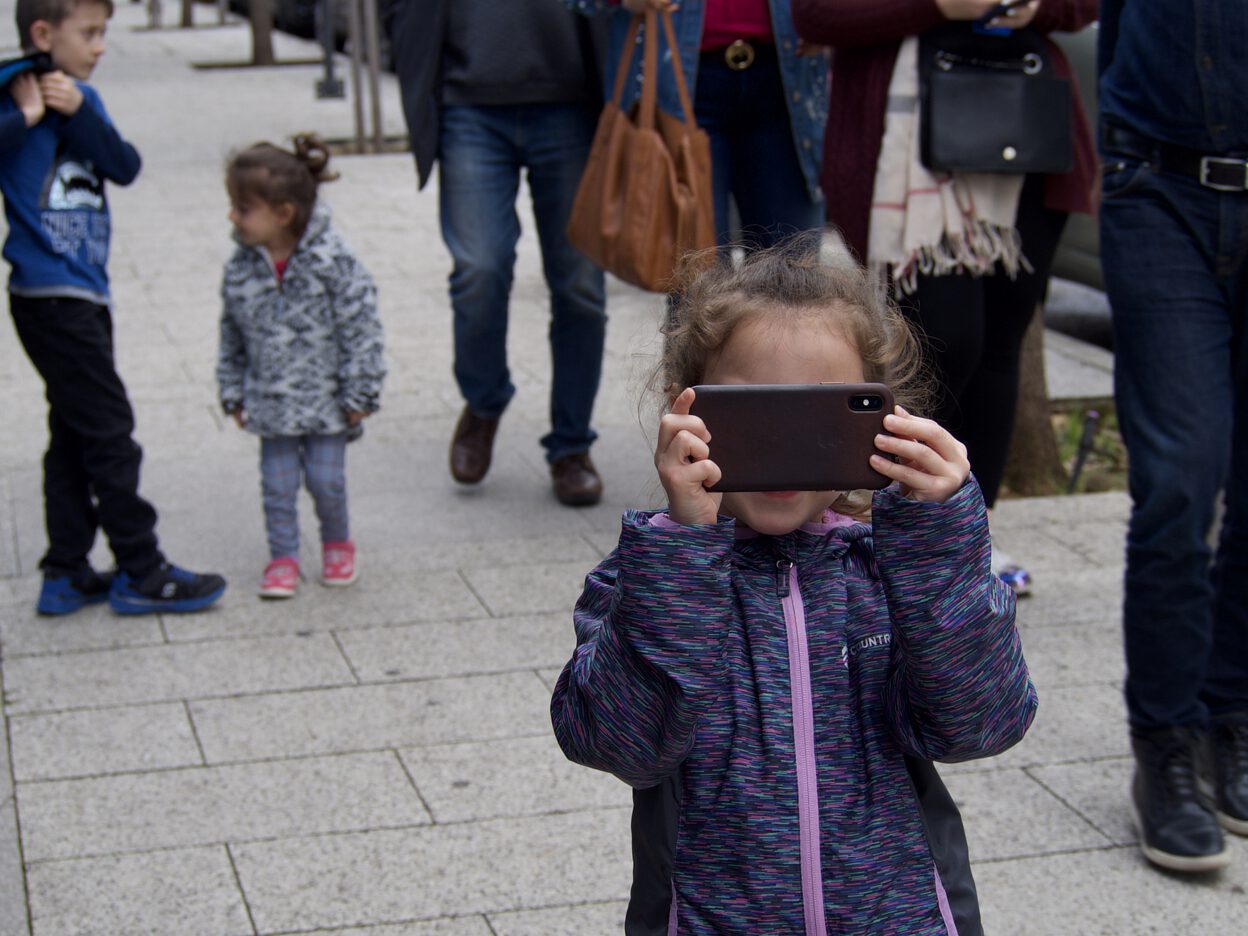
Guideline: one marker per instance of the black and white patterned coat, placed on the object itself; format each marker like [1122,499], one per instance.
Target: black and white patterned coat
[297,354]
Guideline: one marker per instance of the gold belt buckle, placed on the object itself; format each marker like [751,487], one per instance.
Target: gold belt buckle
[739,56]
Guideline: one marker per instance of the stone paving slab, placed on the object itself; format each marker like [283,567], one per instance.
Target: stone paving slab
[423,651]
[561,921]
[461,926]
[175,671]
[994,804]
[413,874]
[1109,892]
[371,717]
[512,777]
[92,742]
[215,805]
[191,892]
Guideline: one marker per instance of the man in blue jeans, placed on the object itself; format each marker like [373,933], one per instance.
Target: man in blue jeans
[1174,244]
[490,90]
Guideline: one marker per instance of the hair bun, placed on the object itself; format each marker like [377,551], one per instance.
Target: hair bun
[311,150]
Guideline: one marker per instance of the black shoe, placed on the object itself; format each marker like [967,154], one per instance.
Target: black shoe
[164,590]
[1228,744]
[1176,830]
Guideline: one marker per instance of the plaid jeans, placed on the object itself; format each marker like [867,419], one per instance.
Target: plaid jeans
[286,462]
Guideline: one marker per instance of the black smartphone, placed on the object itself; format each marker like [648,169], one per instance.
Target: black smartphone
[1001,9]
[794,437]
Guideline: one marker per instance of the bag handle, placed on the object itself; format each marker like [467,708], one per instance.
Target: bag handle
[681,88]
[650,62]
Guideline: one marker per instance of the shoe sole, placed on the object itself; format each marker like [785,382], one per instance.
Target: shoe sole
[61,607]
[339,583]
[1191,864]
[276,593]
[137,604]
[1232,824]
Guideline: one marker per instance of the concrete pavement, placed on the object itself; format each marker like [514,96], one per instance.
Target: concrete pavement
[378,761]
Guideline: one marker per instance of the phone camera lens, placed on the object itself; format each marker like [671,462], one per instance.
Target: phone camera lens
[866,404]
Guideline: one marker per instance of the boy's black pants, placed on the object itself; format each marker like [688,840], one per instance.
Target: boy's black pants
[91,468]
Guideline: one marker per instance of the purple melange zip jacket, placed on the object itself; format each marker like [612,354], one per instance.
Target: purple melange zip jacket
[776,702]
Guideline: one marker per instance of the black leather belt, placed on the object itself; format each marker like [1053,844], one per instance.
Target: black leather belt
[1220,173]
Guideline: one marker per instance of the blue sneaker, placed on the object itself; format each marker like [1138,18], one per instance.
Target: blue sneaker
[1010,572]
[165,590]
[66,592]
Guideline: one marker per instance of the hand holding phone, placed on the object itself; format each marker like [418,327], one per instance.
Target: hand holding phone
[682,459]
[1003,9]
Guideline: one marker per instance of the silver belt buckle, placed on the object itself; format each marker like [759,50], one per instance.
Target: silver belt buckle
[739,56]
[1208,161]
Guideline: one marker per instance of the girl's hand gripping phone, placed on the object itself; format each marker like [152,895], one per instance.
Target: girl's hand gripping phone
[682,458]
[931,464]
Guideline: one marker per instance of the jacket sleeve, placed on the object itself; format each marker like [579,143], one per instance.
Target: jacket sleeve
[90,134]
[416,31]
[1064,15]
[231,358]
[651,627]
[959,687]
[357,329]
[855,23]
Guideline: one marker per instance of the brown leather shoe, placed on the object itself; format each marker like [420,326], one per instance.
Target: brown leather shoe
[575,480]
[471,447]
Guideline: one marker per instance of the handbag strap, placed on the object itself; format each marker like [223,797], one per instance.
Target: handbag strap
[649,74]
[681,87]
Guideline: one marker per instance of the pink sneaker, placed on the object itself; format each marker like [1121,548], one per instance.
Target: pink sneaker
[338,563]
[281,578]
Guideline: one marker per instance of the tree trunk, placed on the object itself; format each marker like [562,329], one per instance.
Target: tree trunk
[261,12]
[188,14]
[1035,466]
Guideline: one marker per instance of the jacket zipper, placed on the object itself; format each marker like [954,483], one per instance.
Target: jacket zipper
[789,591]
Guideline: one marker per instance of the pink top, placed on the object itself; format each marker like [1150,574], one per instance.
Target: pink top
[726,21]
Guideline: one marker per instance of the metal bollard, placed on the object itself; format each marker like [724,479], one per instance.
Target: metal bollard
[331,85]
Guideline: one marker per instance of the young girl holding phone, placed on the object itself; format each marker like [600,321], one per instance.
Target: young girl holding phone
[772,672]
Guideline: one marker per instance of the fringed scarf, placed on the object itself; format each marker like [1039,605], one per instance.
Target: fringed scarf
[935,223]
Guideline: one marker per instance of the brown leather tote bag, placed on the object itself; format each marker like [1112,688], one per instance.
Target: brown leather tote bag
[644,199]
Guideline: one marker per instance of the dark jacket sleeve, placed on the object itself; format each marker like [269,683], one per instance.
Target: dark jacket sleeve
[651,627]
[856,23]
[89,134]
[960,687]
[416,29]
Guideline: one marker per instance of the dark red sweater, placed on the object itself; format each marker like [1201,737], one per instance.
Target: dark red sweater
[865,36]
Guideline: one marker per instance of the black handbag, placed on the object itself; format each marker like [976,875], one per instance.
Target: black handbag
[991,103]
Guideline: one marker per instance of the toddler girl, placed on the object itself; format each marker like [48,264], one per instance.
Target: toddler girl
[300,361]
[773,672]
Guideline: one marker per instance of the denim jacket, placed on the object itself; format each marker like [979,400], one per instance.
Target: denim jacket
[805,78]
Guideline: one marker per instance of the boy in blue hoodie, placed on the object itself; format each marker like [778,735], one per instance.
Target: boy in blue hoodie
[57,148]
